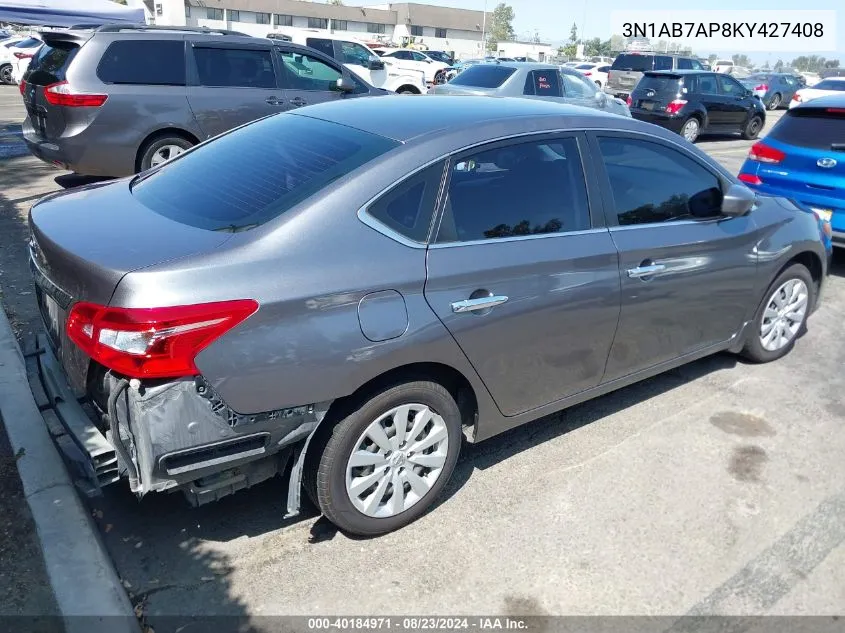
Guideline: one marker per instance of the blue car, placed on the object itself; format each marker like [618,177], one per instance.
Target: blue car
[803,159]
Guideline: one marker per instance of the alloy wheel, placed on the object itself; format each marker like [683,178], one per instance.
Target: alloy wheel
[690,130]
[784,314]
[397,460]
[165,153]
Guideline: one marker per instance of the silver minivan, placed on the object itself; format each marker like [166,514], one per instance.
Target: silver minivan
[628,68]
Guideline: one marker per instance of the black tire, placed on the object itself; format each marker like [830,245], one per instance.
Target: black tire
[6,74]
[405,90]
[752,128]
[754,350]
[690,123]
[152,146]
[326,475]
[774,104]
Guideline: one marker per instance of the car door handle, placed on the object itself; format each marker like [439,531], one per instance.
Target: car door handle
[483,303]
[275,101]
[298,102]
[645,271]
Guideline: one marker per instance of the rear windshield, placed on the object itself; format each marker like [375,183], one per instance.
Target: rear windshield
[30,42]
[660,83]
[51,62]
[827,84]
[258,172]
[820,128]
[758,78]
[483,76]
[638,63]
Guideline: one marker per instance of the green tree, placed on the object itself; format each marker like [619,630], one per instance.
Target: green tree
[766,65]
[337,3]
[501,26]
[569,51]
[573,33]
[831,63]
[741,59]
[616,44]
[711,58]
[779,65]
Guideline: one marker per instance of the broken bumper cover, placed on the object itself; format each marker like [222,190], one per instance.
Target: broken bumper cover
[178,435]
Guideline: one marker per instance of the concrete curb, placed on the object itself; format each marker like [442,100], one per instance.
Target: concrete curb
[88,591]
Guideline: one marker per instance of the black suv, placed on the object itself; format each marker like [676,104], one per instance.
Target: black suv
[692,102]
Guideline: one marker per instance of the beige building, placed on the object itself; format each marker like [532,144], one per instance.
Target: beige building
[437,28]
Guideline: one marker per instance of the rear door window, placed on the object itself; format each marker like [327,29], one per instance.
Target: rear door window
[684,63]
[543,83]
[483,76]
[148,62]
[51,62]
[818,128]
[636,63]
[259,172]
[662,62]
[235,67]
[730,87]
[322,45]
[707,85]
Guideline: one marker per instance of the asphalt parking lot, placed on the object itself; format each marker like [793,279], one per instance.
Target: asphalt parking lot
[717,488]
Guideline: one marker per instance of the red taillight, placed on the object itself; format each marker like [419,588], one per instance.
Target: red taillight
[22,86]
[765,154]
[796,97]
[153,342]
[761,88]
[588,73]
[751,179]
[629,101]
[835,110]
[23,55]
[61,94]
[675,106]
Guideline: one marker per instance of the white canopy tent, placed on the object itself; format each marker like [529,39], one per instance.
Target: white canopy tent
[68,12]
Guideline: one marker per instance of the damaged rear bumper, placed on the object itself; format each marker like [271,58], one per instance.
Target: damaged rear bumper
[174,435]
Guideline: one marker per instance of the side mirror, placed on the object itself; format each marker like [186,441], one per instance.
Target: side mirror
[738,200]
[375,63]
[344,84]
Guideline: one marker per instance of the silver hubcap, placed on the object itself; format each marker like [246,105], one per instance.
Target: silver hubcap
[755,126]
[784,315]
[165,153]
[397,460]
[691,130]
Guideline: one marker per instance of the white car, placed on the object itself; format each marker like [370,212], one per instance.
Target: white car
[829,86]
[415,59]
[597,73]
[390,74]
[6,58]
[723,65]
[21,54]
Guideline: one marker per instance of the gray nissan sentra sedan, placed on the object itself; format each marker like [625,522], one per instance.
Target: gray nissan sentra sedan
[348,287]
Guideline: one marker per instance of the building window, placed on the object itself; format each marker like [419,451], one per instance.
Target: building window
[417,31]
[234,16]
[214,14]
[339,25]
[187,10]
[375,28]
[441,33]
[318,23]
[284,20]
[262,18]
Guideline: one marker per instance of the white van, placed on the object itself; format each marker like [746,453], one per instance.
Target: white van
[389,74]
[723,65]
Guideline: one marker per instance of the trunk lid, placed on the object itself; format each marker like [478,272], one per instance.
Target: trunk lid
[49,67]
[84,241]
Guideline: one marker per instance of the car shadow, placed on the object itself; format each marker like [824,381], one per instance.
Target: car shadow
[71,180]
[837,264]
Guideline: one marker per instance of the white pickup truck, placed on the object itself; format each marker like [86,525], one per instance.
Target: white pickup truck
[389,74]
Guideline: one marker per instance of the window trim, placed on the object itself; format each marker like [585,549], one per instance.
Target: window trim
[594,211]
[602,178]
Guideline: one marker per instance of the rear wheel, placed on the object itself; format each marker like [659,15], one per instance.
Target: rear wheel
[774,104]
[407,90]
[752,128]
[6,74]
[386,462]
[162,149]
[691,129]
[782,315]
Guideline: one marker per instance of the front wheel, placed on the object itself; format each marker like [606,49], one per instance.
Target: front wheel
[387,461]
[752,128]
[691,129]
[782,315]
[6,74]
[774,104]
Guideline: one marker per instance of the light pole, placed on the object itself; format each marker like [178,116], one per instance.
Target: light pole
[484,30]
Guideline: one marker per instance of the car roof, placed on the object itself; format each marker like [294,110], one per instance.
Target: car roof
[683,71]
[408,117]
